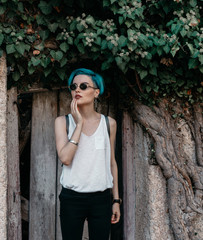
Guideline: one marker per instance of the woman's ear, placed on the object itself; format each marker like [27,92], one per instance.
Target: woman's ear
[97,91]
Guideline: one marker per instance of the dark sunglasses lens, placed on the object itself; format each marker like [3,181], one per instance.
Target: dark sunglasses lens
[83,86]
[73,87]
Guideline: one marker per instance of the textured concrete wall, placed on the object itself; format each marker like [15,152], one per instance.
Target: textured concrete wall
[3,149]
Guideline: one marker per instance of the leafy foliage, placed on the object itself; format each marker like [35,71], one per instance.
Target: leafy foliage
[156,45]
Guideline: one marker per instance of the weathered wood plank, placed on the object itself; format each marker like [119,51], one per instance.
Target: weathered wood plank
[3,148]
[128,177]
[14,200]
[43,167]
[64,108]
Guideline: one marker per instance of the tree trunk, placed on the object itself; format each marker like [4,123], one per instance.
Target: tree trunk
[177,134]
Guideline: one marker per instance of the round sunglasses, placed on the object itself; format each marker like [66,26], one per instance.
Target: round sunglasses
[82,86]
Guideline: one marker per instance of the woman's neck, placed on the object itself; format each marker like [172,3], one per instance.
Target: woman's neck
[87,112]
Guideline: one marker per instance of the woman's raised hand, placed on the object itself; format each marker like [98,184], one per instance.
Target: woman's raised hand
[75,112]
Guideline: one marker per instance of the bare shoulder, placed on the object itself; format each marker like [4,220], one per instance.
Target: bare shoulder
[60,120]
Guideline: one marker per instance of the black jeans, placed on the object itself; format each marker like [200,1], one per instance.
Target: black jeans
[76,207]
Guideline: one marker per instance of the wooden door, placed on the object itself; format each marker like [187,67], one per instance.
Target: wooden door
[45,166]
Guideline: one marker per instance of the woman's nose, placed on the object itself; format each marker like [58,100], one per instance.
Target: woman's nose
[77,88]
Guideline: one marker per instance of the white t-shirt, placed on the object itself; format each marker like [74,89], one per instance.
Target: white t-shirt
[90,170]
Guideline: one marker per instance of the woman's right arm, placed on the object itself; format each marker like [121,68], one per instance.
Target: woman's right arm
[65,149]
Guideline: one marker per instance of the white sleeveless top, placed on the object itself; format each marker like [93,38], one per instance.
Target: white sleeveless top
[90,170]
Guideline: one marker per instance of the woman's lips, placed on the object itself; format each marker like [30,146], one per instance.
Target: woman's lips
[77,96]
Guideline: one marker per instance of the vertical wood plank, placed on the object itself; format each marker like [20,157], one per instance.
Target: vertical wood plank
[3,148]
[128,177]
[14,200]
[43,167]
[64,108]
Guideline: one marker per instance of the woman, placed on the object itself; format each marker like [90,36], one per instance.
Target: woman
[89,165]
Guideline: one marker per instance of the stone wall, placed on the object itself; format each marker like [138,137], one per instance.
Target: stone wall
[3,149]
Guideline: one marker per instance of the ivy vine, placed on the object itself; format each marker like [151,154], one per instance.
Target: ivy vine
[156,45]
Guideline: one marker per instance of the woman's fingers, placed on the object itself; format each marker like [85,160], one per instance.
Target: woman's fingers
[115,218]
[75,112]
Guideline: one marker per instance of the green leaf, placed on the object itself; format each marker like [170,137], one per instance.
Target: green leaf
[201,58]
[64,47]
[40,46]
[61,73]
[59,55]
[44,34]
[193,62]
[105,65]
[122,41]
[200,89]
[159,50]
[56,55]
[73,26]
[148,56]
[121,20]
[190,46]
[70,41]
[80,27]
[80,47]
[20,7]
[63,62]
[40,20]
[45,7]
[20,48]
[1,38]
[104,45]
[112,1]
[7,30]
[174,50]
[153,71]
[148,89]
[35,61]
[138,24]
[90,20]
[183,32]
[21,70]
[15,76]
[31,69]
[166,49]
[2,9]
[129,23]
[52,27]
[10,48]
[98,41]
[27,47]
[105,3]
[47,71]
[174,115]
[193,3]
[143,74]
[45,62]
[144,63]
[201,69]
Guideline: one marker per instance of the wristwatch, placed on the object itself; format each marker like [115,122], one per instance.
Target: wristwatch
[119,200]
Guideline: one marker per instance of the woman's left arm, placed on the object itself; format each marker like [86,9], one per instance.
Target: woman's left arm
[114,170]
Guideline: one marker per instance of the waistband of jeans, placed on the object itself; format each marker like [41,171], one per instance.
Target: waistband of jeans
[70,191]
